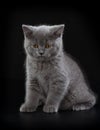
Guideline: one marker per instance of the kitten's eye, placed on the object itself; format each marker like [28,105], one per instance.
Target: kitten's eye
[47,46]
[35,46]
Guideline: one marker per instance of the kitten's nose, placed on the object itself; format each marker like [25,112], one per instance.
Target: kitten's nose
[41,53]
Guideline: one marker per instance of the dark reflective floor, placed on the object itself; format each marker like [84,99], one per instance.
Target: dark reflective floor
[11,117]
[68,119]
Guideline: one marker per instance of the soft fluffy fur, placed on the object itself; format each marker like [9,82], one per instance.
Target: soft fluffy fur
[53,79]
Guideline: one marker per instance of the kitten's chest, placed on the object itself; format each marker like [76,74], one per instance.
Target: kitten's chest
[43,76]
[42,71]
[37,66]
[42,67]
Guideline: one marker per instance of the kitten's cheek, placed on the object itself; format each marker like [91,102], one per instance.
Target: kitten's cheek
[48,54]
[37,54]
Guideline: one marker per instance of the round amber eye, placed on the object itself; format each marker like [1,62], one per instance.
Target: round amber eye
[47,46]
[35,46]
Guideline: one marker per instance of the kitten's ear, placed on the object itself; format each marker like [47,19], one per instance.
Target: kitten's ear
[27,30]
[57,30]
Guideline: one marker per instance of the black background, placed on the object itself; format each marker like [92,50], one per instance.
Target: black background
[81,40]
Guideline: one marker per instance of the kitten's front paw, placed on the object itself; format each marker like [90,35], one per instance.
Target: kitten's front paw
[27,108]
[50,109]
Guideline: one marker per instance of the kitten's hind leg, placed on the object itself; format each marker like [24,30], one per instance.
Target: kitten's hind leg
[84,100]
[82,106]
[78,99]
[77,105]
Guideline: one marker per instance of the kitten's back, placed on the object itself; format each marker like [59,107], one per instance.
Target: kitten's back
[73,67]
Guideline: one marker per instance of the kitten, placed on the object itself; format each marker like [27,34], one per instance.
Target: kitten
[52,77]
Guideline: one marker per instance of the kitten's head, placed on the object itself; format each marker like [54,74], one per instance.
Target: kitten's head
[43,41]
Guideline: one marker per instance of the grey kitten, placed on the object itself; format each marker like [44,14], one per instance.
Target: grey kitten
[52,77]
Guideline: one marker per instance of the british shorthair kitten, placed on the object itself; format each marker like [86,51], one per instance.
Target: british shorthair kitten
[53,78]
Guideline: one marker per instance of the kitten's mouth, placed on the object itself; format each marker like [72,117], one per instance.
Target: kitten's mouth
[41,57]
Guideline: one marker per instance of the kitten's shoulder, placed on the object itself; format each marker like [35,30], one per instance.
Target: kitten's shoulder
[69,58]
[72,62]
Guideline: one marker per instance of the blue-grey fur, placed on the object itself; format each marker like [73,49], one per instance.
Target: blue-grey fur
[53,79]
